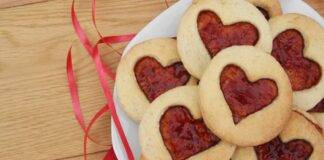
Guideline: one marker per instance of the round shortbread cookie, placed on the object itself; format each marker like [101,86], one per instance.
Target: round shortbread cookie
[209,26]
[245,96]
[148,70]
[172,128]
[298,46]
[301,130]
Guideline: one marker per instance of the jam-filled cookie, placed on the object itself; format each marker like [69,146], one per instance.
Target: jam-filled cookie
[298,45]
[269,8]
[245,96]
[173,129]
[209,26]
[148,70]
[300,140]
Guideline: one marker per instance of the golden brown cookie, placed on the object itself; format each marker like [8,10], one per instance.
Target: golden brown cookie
[269,8]
[245,96]
[148,70]
[301,139]
[298,46]
[208,26]
[172,128]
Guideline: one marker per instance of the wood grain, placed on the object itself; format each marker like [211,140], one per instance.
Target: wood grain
[36,119]
[15,3]
[318,5]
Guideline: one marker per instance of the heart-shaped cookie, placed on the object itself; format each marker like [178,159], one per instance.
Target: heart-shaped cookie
[147,71]
[217,36]
[245,93]
[208,26]
[297,149]
[288,49]
[245,97]
[154,79]
[173,129]
[183,135]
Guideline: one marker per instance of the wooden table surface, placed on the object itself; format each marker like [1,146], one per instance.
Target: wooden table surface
[36,118]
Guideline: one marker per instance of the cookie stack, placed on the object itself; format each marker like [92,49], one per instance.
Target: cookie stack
[240,81]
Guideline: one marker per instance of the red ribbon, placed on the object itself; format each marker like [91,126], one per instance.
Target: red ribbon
[84,39]
[95,25]
[110,155]
[103,72]
[74,93]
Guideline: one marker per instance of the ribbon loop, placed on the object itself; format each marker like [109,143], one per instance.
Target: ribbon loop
[104,72]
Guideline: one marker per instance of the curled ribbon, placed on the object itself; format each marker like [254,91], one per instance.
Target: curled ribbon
[103,72]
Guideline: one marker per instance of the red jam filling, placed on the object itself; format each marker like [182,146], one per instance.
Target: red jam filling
[264,12]
[319,107]
[297,149]
[245,97]
[288,49]
[184,136]
[154,79]
[217,36]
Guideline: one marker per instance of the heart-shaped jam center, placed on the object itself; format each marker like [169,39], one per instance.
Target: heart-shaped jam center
[264,12]
[288,49]
[154,79]
[184,136]
[319,107]
[217,36]
[297,149]
[244,97]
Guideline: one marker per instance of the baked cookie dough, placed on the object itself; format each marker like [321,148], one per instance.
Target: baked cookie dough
[269,8]
[172,128]
[318,112]
[245,96]
[298,46]
[301,139]
[148,70]
[209,26]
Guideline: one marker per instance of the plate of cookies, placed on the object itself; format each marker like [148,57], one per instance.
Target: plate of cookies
[224,79]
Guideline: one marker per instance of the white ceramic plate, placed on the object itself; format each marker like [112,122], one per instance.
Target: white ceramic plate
[166,25]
